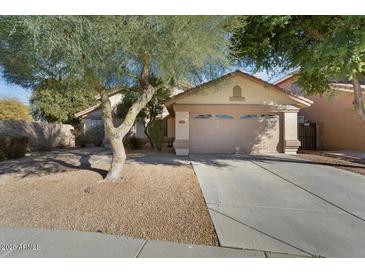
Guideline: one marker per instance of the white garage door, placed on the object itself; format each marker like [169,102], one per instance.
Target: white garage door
[228,133]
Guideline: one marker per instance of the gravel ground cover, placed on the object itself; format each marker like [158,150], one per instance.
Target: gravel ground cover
[154,201]
[338,163]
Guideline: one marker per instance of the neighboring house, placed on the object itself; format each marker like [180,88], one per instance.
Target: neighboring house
[92,116]
[340,126]
[235,113]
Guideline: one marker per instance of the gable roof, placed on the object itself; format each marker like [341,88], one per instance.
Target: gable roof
[339,85]
[87,110]
[193,90]
[286,77]
[346,87]
[98,105]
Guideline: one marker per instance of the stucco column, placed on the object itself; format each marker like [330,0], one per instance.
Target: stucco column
[291,142]
[181,143]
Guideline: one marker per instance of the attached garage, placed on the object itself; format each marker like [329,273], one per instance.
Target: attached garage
[236,113]
[234,133]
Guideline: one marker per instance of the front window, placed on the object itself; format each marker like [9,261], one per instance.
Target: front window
[203,116]
[223,116]
[248,116]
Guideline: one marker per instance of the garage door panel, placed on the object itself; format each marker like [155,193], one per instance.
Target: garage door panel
[228,136]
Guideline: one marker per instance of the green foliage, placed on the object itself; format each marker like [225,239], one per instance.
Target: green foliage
[12,145]
[12,109]
[123,107]
[107,52]
[2,156]
[58,101]
[110,50]
[155,130]
[323,47]
[155,106]
[151,110]
[134,143]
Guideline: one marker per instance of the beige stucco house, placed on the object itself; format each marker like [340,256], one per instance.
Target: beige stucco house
[234,113]
[340,126]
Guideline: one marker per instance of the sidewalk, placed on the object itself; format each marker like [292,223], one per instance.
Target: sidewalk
[37,243]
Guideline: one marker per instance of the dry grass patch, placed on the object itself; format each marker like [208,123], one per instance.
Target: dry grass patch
[331,161]
[153,201]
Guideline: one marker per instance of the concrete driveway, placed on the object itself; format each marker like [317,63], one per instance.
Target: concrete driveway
[284,204]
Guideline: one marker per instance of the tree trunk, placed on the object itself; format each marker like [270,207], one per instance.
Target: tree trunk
[358,97]
[116,134]
[118,161]
[148,136]
[115,140]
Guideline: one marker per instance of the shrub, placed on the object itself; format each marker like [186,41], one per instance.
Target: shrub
[93,135]
[13,145]
[155,130]
[134,143]
[13,109]
[2,156]
[81,140]
[85,140]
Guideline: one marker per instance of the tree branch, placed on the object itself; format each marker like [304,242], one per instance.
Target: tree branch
[145,72]
[135,109]
[165,84]
[147,92]
[358,99]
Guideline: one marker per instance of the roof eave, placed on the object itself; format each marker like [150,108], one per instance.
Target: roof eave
[286,77]
[87,111]
[304,101]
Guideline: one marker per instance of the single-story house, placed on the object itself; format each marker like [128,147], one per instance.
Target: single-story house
[236,113]
[340,126]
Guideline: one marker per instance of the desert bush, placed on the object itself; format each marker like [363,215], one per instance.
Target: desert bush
[92,136]
[2,156]
[13,145]
[134,143]
[81,140]
[13,109]
[155,130]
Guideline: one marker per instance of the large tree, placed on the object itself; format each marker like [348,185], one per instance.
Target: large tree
[324,48]
[112,52]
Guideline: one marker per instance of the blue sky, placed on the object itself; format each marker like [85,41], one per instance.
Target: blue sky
[14,91]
